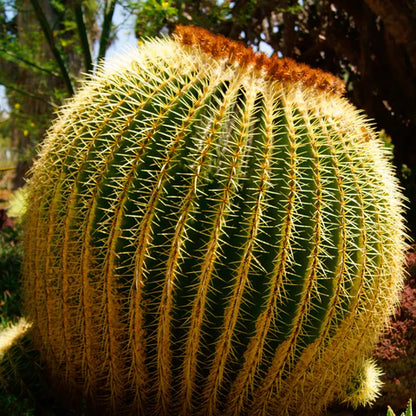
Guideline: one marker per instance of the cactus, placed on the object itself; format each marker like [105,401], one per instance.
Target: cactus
[211,231]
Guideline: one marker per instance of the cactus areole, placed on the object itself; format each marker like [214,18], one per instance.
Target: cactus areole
[211,232]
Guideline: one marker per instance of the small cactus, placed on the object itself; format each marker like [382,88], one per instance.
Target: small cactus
[211,231]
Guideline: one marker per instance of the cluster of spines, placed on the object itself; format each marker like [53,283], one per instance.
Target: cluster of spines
[135,150]
[281,69]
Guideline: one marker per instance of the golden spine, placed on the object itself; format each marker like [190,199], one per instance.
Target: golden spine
[211,231]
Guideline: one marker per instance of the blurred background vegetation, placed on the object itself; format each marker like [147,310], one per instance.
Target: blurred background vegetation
[48,46]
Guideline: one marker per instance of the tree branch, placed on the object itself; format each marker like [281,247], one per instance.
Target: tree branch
[40,15]
[26,93]
[27,62]
[82,31]
[106,29]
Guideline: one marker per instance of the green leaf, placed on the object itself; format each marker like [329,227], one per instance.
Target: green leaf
[409,409]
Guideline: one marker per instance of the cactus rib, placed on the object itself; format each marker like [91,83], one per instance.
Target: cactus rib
[212,232]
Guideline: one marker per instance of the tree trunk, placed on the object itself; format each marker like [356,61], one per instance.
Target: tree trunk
[397,23]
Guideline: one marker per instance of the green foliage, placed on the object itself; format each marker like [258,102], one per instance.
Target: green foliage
[152,15]
[8,156]
[158,16]
[44,47]
[407,412]
[12,405]
[10,259]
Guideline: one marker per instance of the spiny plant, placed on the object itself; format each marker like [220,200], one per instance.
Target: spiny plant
[16,371]
[407,412]
[211,231]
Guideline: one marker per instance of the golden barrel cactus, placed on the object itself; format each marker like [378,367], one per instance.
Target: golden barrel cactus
[211,231]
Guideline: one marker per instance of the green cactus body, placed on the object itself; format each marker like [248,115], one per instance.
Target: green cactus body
[210,232]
